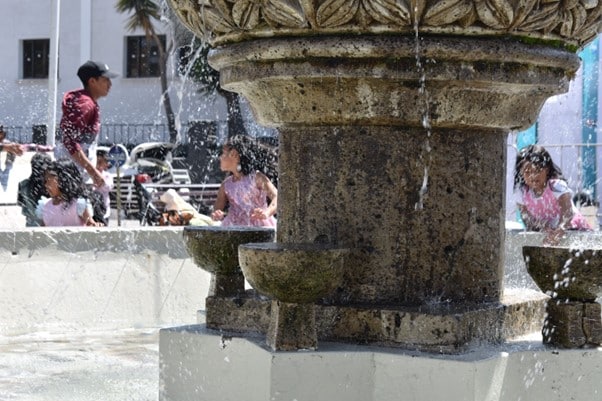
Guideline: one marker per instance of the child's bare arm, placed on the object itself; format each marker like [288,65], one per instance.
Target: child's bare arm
[220,204]
[566,210]
[272,192]
[530,222]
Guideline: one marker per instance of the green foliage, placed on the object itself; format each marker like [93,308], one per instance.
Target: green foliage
[143,12]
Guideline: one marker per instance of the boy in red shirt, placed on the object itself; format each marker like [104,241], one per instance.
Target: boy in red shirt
[80,123]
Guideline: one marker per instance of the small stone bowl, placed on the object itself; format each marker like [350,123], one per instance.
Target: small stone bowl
[215,248]
[566,273]
[292,273]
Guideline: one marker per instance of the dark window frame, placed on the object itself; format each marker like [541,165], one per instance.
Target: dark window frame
[36,58]
[142,56]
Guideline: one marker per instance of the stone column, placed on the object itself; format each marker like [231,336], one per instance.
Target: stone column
[410,177]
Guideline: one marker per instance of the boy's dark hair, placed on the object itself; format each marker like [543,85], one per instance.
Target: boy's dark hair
[102,153]
[539,157]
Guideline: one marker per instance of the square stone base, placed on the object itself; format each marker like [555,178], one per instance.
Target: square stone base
[572,324]
[439,328]
[201,364]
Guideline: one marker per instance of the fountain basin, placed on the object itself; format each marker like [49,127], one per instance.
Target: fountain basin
[215,248]
[566,273]
[295,273]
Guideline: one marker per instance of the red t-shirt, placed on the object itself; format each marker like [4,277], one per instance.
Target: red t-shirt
[81,120]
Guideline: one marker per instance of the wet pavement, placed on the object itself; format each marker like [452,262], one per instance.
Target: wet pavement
[68,365]
[108,365]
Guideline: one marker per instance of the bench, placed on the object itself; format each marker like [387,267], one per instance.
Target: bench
[201,196]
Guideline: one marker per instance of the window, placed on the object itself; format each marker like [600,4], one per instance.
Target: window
[143,56]
[35,58]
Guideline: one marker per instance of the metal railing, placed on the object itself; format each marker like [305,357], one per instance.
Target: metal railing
[130,134]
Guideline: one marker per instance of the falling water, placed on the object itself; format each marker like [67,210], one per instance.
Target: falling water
[426,123]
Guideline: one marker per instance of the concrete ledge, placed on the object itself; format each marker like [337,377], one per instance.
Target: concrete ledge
[197,363]
[101,278]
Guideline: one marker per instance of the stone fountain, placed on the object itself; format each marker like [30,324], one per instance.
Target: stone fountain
[572,277]
[215,250]
[393,118]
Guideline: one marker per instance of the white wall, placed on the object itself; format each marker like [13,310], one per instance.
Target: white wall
[97,278]
[132,100]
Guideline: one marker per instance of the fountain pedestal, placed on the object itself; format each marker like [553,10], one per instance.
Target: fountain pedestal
[572,324]
[215,250]
[572,277]
[393,120]
[296,276]
[401,165]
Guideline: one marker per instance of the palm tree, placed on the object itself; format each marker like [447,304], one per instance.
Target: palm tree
[143,13]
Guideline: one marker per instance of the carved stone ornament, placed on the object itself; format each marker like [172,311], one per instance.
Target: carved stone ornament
[573,22]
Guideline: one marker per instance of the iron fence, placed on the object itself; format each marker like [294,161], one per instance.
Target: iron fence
[127,134]
[133,134]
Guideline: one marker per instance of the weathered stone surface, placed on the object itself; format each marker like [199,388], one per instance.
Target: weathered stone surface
[447,251]
[215,249]
[227,284]
[566,273]
[293,273]
[393,146]
[573,22]
[292,327]
[592,323]
[374,81]
[435,328]
[417,205]
[448,329]
[245,314]
[295,276]
[572,324]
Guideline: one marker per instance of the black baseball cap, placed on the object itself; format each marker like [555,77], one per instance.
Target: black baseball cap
[94,69]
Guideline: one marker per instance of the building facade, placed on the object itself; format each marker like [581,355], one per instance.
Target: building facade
[88,30]
[93,29]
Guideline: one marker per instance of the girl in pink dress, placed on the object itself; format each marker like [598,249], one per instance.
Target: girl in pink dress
[67,205]
[245,192]
[544,199]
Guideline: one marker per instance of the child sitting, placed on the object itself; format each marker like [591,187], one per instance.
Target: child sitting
[246,190]
[67,205]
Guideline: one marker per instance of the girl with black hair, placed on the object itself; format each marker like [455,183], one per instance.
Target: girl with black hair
[544,199]
[67,205]
[32,189]
[245,192]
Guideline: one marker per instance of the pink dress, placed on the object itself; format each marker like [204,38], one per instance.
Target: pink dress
[244,196]
[546,209]
[58,216]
